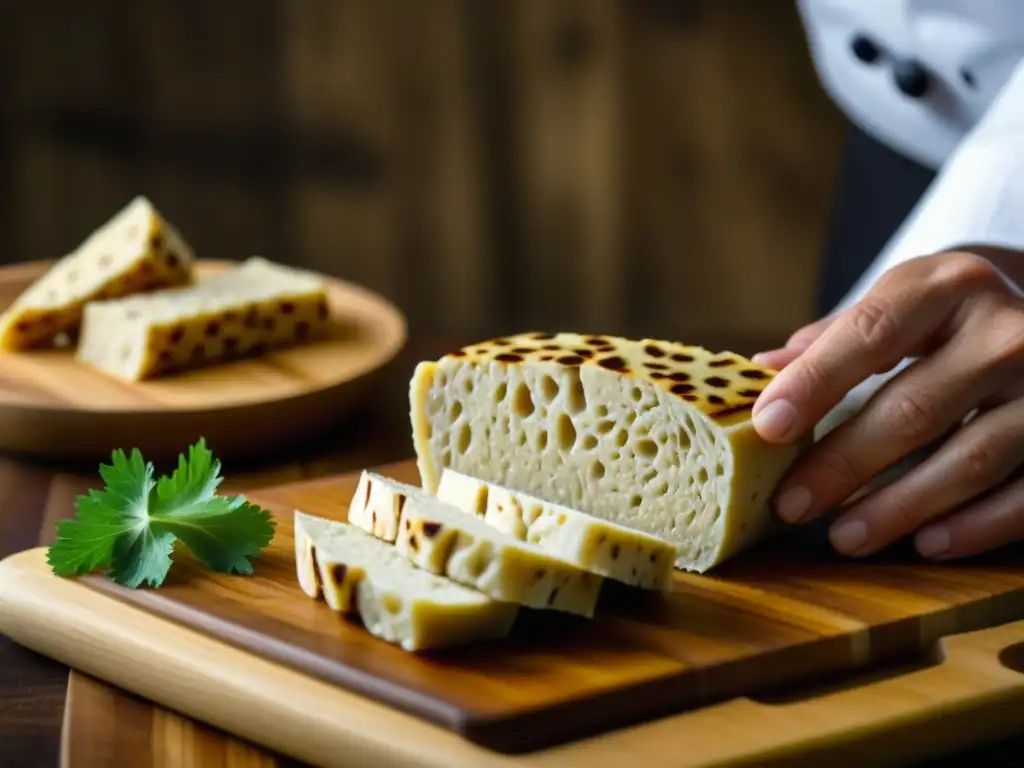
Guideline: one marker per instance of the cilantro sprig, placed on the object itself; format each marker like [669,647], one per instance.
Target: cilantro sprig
[130,527]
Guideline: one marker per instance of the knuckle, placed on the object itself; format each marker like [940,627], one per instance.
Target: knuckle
[872,323]
[959,270]
[910,416]
[807,378]
[980,461]
[904,513]
[840,465]
[1005,338]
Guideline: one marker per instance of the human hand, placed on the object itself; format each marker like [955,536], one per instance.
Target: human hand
[964,321]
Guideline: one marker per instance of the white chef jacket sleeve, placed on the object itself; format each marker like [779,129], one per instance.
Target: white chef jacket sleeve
[977,198]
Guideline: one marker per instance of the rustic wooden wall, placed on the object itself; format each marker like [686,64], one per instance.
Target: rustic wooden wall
[637,166]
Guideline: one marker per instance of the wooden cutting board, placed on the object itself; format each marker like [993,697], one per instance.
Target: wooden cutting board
[888,721]
[256,657]
[53,406]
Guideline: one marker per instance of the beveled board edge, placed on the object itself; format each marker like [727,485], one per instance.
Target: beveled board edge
[884,722]
[548,726]
[281,652]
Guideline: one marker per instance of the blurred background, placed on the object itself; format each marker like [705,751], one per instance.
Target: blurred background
[645,167]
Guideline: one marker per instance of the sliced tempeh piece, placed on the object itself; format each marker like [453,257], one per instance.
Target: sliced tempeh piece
[596,545]
[651,435]
[443,539]
[376,506]
[136,251]
[358,574]
[247,310]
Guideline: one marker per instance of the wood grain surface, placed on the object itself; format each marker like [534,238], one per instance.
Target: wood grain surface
[776,617]
[888,717]
[53,406]
[466,159]
[104,726]
[881,720]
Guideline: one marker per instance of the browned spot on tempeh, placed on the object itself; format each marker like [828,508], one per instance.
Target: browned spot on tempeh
[615,363]
[338,572]
[316,567]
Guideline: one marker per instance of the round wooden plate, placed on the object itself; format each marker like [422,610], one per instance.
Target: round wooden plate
[53,406]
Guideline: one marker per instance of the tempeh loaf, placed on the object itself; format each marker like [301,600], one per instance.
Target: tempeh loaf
[651,435]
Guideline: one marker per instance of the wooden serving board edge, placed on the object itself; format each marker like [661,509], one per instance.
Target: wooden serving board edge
[534,728]
[884,722]
[277,652]
[540,727]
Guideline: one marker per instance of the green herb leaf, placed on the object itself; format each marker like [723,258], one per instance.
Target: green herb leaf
[141,556]
[86,542]
[132,525]
[221,531]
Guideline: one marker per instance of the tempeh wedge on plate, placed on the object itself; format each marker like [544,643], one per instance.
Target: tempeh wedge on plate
[651,435]
[362,576]
[622,554]
[136,251]
[443,539]
[246,310]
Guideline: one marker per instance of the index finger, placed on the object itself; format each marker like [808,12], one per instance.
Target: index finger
[894,320]
[795,345]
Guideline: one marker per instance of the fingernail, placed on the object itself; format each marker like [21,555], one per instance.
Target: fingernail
[849,536]
[793,504]
[933,541]
[776,420]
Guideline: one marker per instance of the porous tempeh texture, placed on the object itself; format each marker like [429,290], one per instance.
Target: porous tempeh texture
[599,546]
[245,311]
[652,435]
[134,252]
[443,539]
[360,575]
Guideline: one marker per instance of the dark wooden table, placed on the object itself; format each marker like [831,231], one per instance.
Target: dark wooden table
[34,495]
